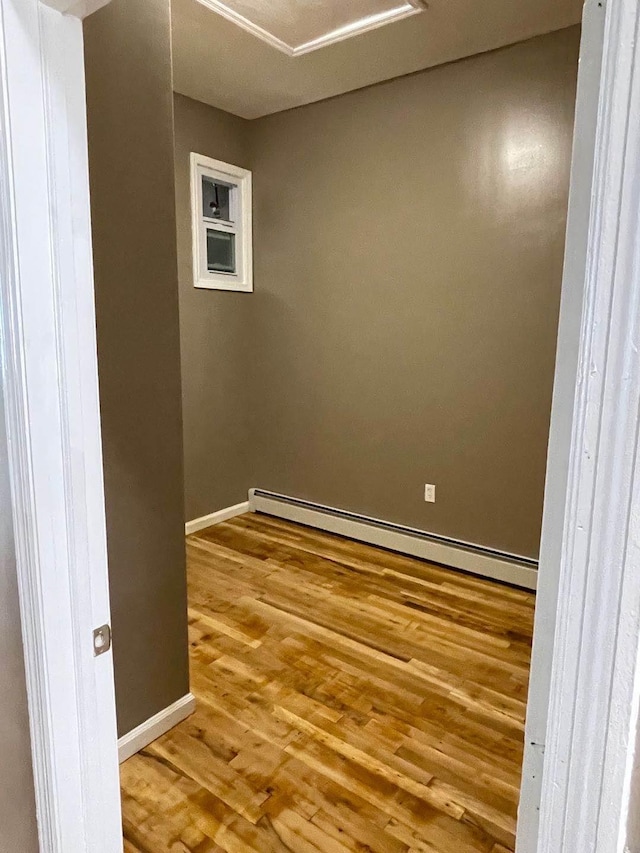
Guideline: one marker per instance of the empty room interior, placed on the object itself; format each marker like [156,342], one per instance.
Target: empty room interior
[328,246]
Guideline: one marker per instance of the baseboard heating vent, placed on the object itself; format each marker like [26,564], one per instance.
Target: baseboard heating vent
[475,559]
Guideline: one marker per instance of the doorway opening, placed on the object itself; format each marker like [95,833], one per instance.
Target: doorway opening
[369,282]
[236,528]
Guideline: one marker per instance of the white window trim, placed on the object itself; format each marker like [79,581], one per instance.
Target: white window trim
[242,281]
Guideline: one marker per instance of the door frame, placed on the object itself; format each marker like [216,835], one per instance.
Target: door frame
[585,755]
[580,743]
[50,382]
[560,438]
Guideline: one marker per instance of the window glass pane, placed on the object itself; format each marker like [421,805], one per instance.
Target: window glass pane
[221,251]
[216,199]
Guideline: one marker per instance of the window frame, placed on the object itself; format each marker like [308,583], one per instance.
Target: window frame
[240,225]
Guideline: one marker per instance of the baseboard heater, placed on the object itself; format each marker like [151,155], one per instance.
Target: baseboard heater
[475,559]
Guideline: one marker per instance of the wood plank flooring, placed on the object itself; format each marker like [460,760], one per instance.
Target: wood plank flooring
[349,699]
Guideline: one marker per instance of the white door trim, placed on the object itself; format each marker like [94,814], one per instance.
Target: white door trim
[566,373]
[49,363]
[593,705]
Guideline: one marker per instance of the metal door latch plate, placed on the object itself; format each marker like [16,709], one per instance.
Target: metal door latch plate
[101,640]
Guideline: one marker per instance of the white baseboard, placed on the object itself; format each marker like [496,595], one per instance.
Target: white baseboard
[154,727]
[507,568]
[215,517]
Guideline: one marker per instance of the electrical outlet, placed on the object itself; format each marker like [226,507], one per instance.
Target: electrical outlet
[430,493]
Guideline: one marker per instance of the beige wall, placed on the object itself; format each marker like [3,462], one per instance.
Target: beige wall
[408,254]
[18,830]
[217,354]
[130,114]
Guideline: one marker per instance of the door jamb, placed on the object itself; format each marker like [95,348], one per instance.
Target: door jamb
[49,372]
[560,436]
[594,686]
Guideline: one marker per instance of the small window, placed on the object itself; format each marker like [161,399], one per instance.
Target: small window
[216,199]
[221,251]
[221,210]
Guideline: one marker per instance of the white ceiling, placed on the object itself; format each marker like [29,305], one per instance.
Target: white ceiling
[219,59]
[300,26]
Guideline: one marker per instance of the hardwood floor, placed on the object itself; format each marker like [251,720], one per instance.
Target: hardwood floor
[349,699]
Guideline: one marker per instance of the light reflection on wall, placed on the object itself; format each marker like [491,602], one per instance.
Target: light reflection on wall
[517,166]
[530,152]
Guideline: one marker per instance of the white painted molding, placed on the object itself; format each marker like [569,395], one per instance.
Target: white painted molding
[566,373]
[155,727]
[594,692]
[76,8]
[371,22]
[405,540]
[248,26]
[216,517]
[49,364]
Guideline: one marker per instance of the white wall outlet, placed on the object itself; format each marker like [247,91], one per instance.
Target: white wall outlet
[430,493]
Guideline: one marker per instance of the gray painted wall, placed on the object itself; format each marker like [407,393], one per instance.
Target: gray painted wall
[409,247]
[216,346]
[18,831]
[130,118]
[409,241]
